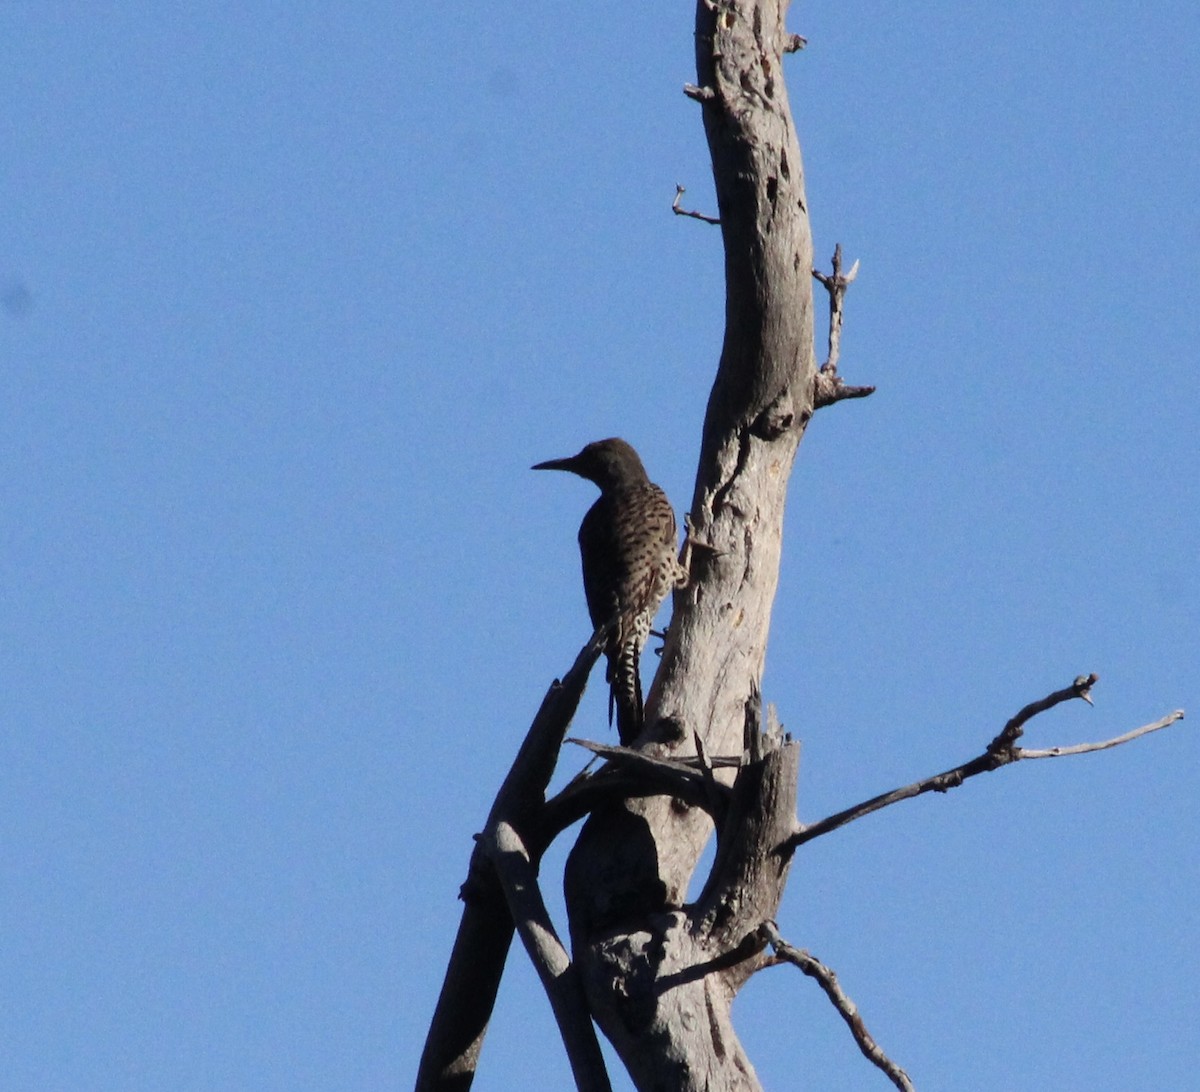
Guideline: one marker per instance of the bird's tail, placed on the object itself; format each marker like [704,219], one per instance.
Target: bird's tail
[625,690]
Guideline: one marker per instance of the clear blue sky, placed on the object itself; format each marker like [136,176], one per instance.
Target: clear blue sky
[294,294]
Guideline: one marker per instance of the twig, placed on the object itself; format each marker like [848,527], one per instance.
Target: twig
[679,192]
[1103,745]
[1002,751]
[688,765]
[829,385]
[630,774]
[848,1011]
[835,284]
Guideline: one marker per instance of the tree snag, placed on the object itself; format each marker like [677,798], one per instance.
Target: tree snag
[656,974]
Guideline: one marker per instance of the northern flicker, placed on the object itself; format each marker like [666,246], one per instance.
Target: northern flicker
[627,545]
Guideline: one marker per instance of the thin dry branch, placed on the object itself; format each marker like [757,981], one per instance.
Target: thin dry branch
[848,1011]
[1002,751]
[687,763]
[675,208]
[828,385]
[1104,745]
[630,774]
[836,284]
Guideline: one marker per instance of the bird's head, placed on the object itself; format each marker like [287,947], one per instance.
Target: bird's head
[609,463]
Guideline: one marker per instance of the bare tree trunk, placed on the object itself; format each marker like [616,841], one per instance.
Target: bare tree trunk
[660,977]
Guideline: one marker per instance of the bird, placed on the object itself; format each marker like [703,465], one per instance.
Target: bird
[628,549]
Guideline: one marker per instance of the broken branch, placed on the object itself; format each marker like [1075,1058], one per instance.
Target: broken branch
[675,208]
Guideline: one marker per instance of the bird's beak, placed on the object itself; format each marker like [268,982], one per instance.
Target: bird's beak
[556,464]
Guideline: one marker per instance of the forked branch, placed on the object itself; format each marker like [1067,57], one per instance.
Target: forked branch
[828,385]
[1002,751]
[1080,688]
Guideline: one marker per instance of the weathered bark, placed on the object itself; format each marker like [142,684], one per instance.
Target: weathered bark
[660,977]
[661,985]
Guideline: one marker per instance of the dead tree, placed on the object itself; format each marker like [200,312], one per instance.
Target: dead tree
[658,975]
